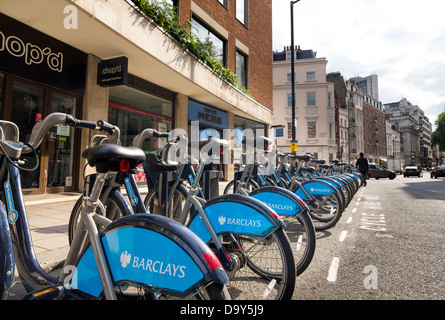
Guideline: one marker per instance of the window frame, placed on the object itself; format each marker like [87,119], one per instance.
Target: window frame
[307,99]
[245,69]
[308,135]
[245,12]
[314,75]
[210,31]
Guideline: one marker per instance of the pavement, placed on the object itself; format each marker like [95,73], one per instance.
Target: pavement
[48,217]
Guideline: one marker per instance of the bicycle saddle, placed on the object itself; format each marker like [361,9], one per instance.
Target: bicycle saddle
[106,157]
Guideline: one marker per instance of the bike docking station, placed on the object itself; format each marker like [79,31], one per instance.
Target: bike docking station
[163,172]
[210,177]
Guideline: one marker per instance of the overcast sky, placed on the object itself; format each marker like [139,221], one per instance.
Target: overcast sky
[402,41]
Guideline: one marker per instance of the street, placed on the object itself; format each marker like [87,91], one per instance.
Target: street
[387,245]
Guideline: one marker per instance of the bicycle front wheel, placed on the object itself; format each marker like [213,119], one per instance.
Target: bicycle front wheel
[115,207]
[326,212]
[175,206]
[265,267]
[132,291]
[301,233]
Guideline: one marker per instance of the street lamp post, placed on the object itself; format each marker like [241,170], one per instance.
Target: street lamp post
[293,66]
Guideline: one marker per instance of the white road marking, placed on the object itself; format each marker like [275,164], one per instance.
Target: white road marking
[333,269]
[343,236]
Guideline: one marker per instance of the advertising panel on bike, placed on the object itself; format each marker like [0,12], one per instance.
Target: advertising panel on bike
[232,217]
[141,256]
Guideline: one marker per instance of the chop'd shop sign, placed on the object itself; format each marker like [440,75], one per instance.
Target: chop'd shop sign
[27,52]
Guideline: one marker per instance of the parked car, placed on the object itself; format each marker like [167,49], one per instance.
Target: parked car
[412,171]
[376,171]
[438,172]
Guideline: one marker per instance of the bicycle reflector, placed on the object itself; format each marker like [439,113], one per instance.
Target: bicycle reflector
[274,214]
[302,203]
[124,165]
[211,260]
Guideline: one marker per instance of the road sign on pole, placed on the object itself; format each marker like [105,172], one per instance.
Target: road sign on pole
[294,145]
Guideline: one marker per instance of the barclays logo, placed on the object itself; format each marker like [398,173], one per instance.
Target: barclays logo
[320,190]
[239,222]
[125,259]
[153,266]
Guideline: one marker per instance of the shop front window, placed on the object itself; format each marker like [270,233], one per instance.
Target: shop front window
[241,124]
[27,105]
[61,144]
[133,111]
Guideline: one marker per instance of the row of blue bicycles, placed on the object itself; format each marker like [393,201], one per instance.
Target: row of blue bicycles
[176,242]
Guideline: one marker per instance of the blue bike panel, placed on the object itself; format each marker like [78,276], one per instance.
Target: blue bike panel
[280,203]
[315,187]
[232,217]
[142,256]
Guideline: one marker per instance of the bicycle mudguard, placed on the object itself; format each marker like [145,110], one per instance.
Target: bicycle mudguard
[316,187]
[152,250]
[7,262]
[281,200]
[236,214]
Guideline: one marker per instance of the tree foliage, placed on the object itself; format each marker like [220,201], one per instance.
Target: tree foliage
[438,136]
[164,15]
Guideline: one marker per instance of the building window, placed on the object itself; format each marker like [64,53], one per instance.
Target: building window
[241,67]
[204,33]
[289,130]
[311,100]
[223,2]
[241,11]
[310,76]
[289,77]
[311,130]
[289,100]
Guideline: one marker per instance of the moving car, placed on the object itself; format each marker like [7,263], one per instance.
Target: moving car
[438,172]
[377,172]
[412,171]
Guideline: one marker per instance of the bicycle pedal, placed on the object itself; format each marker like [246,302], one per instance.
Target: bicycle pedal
[47,293]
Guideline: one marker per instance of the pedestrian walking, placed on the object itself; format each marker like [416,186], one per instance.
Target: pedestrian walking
[362,165]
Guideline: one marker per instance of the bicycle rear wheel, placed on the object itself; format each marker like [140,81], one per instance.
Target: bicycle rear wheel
[251,185]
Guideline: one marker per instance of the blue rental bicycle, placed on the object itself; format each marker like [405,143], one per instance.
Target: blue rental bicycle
[263,264]
[135,257]
[246,235]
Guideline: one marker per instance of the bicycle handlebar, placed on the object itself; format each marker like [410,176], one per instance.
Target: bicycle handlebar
[148,133]
[39,130]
